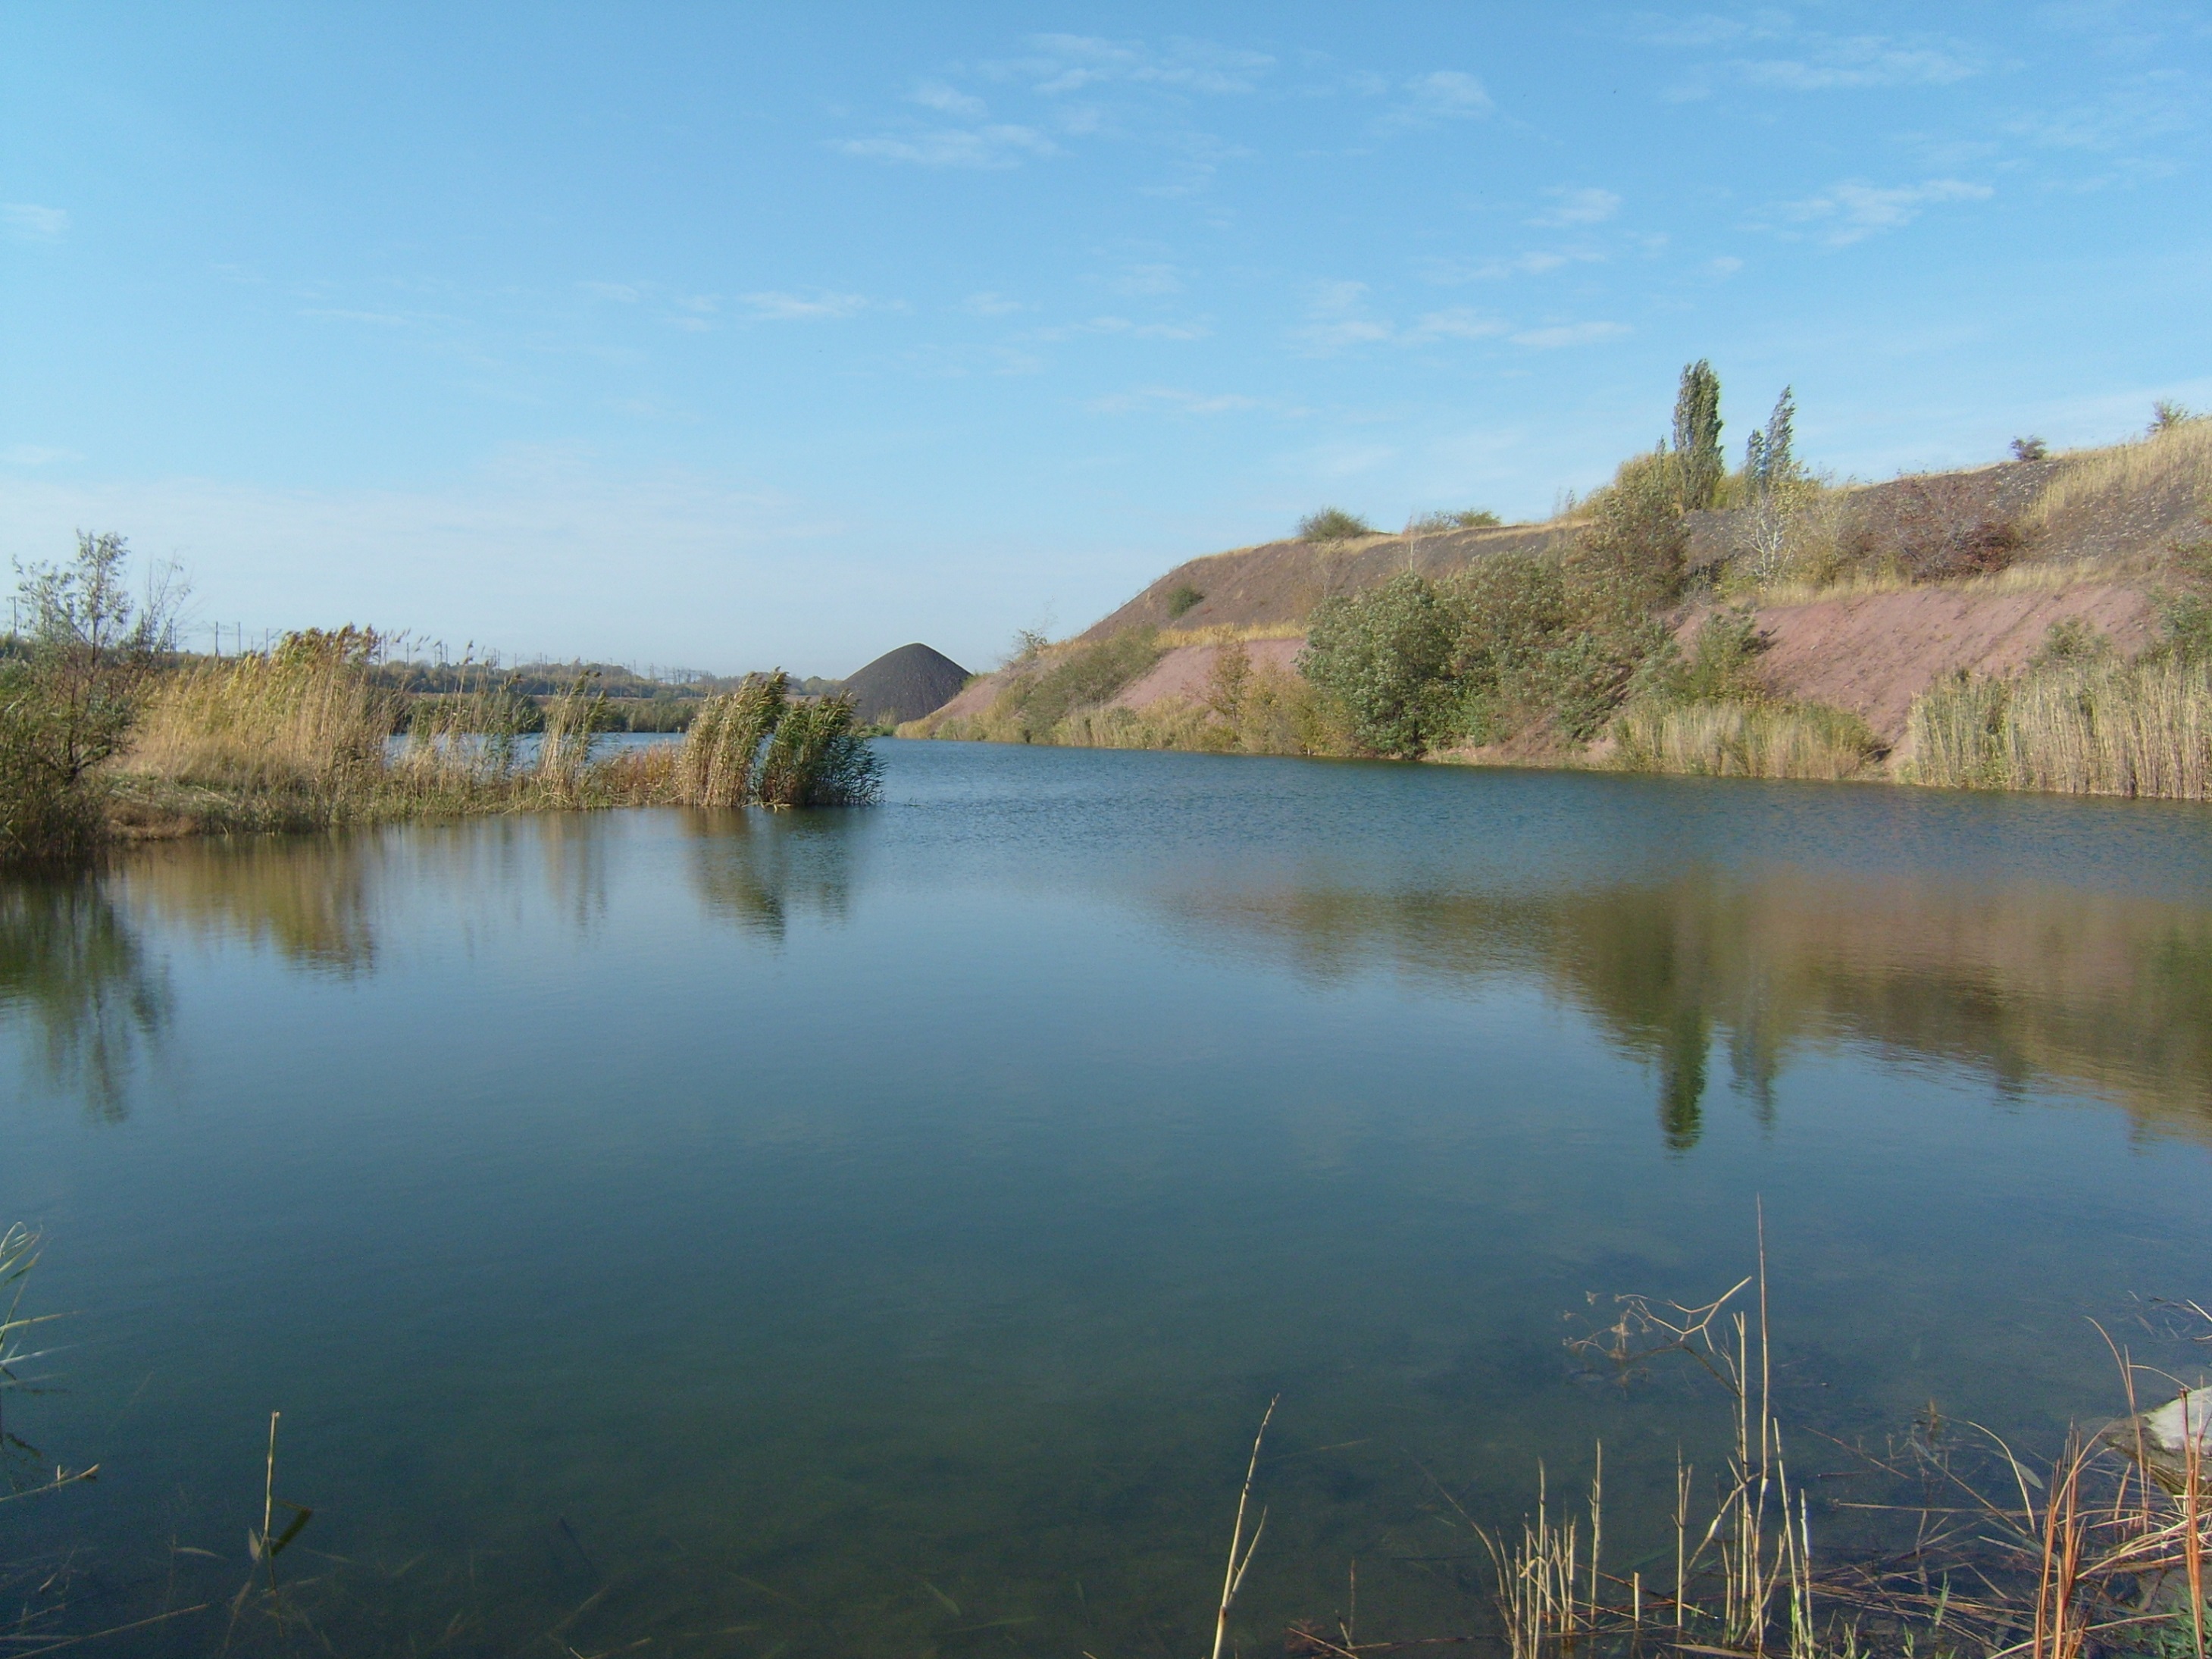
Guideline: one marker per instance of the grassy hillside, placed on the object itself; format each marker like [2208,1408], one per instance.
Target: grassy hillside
[1777,625]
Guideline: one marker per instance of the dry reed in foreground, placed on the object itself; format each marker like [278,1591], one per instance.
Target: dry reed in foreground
[2099,727]
[2099,1553]
[1743,740]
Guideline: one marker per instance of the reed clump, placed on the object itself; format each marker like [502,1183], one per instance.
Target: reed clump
[754,746]
[1744,740]
[2100,1550]
[304,718]
[2094,726]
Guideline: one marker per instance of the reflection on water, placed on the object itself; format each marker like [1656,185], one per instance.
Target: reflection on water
[75,974]
[827,1233]
[2102,991]
[761,871]
[307,897]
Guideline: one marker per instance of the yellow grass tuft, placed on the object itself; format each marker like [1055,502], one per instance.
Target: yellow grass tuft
[1226,634]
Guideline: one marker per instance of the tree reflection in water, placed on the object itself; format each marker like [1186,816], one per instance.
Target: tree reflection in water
[75,977]
[2102,992]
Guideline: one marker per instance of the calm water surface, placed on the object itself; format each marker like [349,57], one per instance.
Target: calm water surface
[880,1232]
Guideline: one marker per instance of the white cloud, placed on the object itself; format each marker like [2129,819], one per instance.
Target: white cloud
[1858,62]
[996,147]
[1852,211]
[620,292]
[1069,63]
[27,221]
[36,455]
[777,308]
[1726,265]
[1457,323]
[1177,400]
[935,95]
[1570,334]
[1150,280]
[1442,94]
[1449,273]
[1773,52]
[989,305]
[378,318]
[1588,206]
[1126,327]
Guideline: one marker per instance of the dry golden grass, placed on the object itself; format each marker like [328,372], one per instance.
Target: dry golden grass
[2099,728]
[2051,578]
[257,722]
[1743,740]
[1170,638]
[2177,459]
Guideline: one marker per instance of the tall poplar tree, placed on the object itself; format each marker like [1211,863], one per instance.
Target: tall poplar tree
[1697,436]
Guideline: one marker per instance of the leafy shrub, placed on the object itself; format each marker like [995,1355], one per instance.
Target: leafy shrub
[1386,655]
[2030,448]
[1333,523]
[1436,524]
[1183,600]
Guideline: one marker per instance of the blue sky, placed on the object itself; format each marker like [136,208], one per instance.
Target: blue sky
[720,336]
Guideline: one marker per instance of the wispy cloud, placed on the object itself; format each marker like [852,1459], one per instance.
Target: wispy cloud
[1149,279]
[1457,323]
[1060,63]
[949,101]
[1439,95]
[620,292]
[1587,206]
[1175,400]
[377,318]
[1339,316]
[993,147]
[1852,211]
[1768,50]
[27,221]
[1854,62]
[1534,263]
[990,305]
[1570,334]
[1125,326]
[772,306]
[36,455]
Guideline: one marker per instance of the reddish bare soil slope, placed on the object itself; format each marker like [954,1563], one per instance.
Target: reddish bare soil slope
[1280,582]
[1875,653]
[1188,669]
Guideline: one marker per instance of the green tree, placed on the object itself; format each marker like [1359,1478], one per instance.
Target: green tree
[84,646]
[1386,654]
[1768,457]
[1698,461]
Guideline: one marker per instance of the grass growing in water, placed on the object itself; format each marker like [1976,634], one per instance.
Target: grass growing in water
[754,747]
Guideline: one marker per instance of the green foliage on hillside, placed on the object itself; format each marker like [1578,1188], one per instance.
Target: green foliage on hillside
[1333,524]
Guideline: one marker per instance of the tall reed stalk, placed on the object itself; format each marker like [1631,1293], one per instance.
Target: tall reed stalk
[722,747]
[2100,727]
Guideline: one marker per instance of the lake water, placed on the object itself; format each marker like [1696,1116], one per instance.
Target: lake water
[880,1232]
